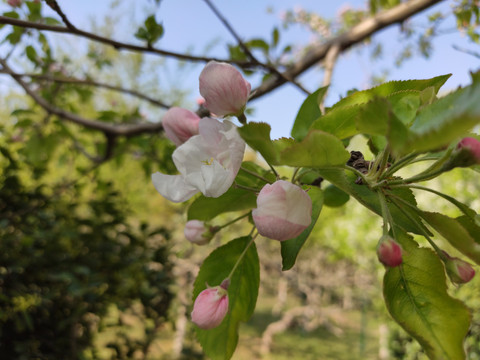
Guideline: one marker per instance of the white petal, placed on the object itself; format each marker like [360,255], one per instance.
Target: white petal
[173,187]
[217,179]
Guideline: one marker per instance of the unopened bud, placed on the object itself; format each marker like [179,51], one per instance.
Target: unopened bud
[467,153]
[197,233]
[389,252]
[210,307]
[459,271]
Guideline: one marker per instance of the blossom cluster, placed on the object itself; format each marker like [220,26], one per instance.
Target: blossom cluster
[208,157]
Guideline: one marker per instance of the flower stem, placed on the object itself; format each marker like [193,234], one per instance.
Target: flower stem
[399,164]
[239,260]
[242,118]
[233,221]
[357,172]
[387,217]
[253,173]
[238,186]
[421,227]
[274,171]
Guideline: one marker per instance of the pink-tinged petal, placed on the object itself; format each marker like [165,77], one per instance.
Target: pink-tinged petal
[210,307]
[276,228]
[196,232]
[224,89]
[283,211]
[208,162]
[459,271]
[180,125]
[173,187]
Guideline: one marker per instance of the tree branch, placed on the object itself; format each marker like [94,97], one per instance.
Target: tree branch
[108,129]
[117,44]
[329,64]
[355,35]
[246,50]
[88,82]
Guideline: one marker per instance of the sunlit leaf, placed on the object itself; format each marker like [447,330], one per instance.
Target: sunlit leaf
[416,297]
[291,248]
[308,112]
[219,343]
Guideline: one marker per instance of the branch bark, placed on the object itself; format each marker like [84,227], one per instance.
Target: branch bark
[117,44]
[108,129]
[88,82]
[350,38]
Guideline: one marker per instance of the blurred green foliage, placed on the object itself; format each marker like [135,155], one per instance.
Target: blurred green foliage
[65,257]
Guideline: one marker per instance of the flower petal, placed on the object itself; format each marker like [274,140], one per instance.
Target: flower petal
[173,187]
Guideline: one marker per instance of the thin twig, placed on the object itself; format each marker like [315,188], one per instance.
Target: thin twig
[329,64]
[107,128]
[354,36]
[118,44]
[246,50]
[88,82]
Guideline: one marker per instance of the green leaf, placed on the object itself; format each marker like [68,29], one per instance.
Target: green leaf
[275,37]
[445,120]
[389,88]
[416,296]
[219,343]
[291,248]
[339,122]
[154,29]
[308,112]
[318,149]
[345,180]
[257,136]
[334,197]
[457,233]
[258,44]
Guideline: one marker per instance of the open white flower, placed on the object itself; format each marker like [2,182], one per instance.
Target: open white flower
[207,163]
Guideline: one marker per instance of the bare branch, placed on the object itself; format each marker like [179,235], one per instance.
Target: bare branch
[109,129]
[117,44]
[88,82]
[246,50]
[330,60]
[466,51]
[355,35]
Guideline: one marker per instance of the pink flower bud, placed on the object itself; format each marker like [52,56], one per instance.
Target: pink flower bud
[210,307]
[472,148]
[283,211]
[14,3]
[225,90]
[196,232]
[180,125]
[389,252]
[459,271]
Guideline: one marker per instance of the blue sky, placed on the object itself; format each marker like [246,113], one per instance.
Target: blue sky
[191,24]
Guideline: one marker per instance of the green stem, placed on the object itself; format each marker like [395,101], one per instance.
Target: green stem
[463,208]
[241,257]
[274,171]
[253,173]
[238,186]
[232,221]
[387,217]
[399,164]
[395,200]
[424,176]
[295,174]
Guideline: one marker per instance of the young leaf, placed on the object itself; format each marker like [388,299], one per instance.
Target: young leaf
[291,248]
[339,122]
[416,296]
[317,149]
[390,88]
[257,136]
[457,233]
[219,343]
[445,120]
[309,111]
